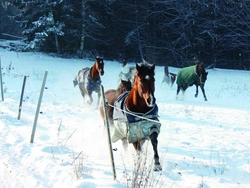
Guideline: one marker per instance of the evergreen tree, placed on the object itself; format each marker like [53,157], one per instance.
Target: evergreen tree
[41,20]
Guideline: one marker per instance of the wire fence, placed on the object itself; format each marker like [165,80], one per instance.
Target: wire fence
[53,95]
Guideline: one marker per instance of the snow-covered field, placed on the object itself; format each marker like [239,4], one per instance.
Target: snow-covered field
[201,144]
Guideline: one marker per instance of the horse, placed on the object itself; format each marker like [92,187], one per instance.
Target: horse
[136,113]
[89,79]
[111,95]
[169,77]
[126,72]
[192,75]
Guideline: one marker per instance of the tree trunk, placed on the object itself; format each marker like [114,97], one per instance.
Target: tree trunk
[138,32]
[58,49]
[55,35]
[82,42]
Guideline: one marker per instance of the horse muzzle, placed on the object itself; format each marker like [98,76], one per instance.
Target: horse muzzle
[151,101]
[101,73]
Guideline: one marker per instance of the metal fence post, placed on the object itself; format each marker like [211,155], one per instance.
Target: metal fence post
[38,107]
[21,98]
[108,132]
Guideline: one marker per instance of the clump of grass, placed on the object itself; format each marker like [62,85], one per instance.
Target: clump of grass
[142,174]
[78,165]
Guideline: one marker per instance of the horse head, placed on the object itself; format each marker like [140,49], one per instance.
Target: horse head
[99,65]
[200,70]
[145,83]
[125,85]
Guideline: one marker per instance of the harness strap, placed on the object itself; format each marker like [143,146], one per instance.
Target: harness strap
[147,116]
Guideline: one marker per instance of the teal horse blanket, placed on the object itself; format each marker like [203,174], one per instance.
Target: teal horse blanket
[187,76]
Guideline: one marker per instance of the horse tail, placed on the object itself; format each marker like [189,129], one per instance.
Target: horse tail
[173,77]
[75,82]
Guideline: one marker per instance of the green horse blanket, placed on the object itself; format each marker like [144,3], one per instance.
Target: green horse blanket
[187,76]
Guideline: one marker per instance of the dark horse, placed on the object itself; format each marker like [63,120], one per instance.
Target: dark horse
[192,75]
[136,113]
[111,95]
[89,79]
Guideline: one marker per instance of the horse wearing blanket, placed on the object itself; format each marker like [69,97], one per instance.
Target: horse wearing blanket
[89,79]
[136,113]
[111,96]
[192,75]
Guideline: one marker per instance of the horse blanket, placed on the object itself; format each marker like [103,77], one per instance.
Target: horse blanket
[126,73]
[84,80]
[187,76]
[126,124]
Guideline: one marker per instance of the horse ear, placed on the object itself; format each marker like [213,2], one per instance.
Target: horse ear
[137,66]
[197,62]
[98,58]
[152,67]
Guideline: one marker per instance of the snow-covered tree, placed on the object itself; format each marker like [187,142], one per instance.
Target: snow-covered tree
[41,20]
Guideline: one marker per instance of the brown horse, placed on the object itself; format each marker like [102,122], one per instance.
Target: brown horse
[89,79]
[136,113]
[192,75]
[111,95]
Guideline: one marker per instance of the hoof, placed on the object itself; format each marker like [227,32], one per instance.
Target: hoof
[157,168]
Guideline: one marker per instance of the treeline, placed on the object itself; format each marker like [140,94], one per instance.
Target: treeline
[160,31]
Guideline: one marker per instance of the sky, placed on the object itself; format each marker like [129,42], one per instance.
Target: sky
[201,143]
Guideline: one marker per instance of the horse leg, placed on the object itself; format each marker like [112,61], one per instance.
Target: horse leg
[203,91]
[196,94]
[82,91]
[90,97]
[98,98]
[154,141]
[178,90]
[183,88]
[125,143]
[137,146]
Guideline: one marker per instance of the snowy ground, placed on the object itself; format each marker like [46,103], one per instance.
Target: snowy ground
[201,144]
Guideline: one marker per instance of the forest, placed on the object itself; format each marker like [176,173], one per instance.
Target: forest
[164,32]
